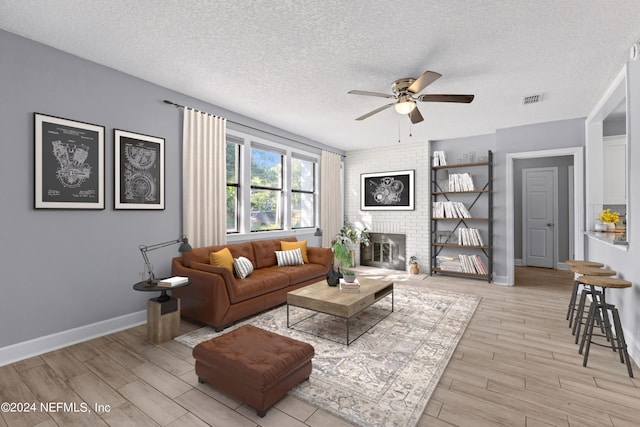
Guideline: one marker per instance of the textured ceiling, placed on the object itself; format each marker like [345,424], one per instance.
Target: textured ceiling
[291,63]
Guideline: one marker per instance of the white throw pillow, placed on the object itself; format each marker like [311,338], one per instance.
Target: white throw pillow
[292,257]
[243,267]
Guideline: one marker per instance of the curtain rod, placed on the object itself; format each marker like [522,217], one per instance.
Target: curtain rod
[166,101]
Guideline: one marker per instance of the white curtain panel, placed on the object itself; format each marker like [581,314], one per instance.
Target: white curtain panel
[204,216]
[330,197]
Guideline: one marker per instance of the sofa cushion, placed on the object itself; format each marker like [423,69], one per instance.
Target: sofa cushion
[289,258]
[222,258]
[265,251]
[243,249]
[302,245]
[302,273]
[203,254]
[262,281]
[243,267]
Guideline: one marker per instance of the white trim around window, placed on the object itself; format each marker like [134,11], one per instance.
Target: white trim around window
[246,142]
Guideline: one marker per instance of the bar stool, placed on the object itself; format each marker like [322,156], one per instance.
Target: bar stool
[586,271]
[576,285]
[600,308]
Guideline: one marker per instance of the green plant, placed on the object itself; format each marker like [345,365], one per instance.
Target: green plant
[413,259]
[350,236]
[343,255]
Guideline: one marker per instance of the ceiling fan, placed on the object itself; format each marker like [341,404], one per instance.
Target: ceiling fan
[405,91]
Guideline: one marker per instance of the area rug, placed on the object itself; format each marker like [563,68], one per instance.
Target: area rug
[386,377]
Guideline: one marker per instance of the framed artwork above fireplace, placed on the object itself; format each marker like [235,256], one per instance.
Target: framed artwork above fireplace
[387,191]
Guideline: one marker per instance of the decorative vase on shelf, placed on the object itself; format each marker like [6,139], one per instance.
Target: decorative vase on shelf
[611,226]
[600,226]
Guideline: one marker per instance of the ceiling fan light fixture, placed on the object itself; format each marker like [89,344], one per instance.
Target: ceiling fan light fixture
[405,106]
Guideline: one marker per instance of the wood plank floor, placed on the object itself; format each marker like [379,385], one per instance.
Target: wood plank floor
[516,365]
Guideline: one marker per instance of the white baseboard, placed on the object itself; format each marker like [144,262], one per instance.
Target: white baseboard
[518,262]
[501,280]
[23,350]
[633,347]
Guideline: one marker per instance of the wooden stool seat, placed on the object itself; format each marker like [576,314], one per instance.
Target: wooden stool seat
[593,271]
[605,282]
[599,312]
[586,270]
[578,263]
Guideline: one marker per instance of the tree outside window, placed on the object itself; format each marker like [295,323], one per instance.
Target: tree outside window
[302,193]
[266,189]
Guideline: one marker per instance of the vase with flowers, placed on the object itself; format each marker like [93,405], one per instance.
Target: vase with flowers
[609,219]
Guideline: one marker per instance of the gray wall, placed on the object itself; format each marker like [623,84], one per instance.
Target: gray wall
[63,269]
[614,127]
[542,136]
[562,163]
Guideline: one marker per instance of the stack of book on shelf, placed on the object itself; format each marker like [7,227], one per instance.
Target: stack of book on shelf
[469,237]
[463,263]
[172,281]
[472,264]
[439,158]
[448,263]
[461,182]
[349,287]
[450,210]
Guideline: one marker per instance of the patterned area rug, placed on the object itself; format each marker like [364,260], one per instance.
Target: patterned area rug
[386,377]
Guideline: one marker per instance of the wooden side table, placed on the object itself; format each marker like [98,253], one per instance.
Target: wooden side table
[163,312]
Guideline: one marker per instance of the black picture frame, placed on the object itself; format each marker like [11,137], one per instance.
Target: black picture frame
[387,191]
[139,171]
[68,164]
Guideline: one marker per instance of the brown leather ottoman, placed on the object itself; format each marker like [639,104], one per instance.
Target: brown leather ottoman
[257,366]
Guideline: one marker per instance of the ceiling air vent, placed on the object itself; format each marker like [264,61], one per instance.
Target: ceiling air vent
[531,99]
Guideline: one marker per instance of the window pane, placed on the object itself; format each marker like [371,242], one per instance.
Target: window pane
[266,210]
[232,209]
[266,168]
[233,150]
[302,210]
[302,175]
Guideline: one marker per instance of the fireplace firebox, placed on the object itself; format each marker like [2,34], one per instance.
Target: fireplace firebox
[384,251]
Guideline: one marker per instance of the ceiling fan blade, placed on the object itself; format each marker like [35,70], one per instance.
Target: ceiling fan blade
[377,110]
[423,81]
[415,116]
[446,98]
[364,92]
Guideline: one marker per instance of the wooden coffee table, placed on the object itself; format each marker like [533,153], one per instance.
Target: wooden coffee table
[322,298]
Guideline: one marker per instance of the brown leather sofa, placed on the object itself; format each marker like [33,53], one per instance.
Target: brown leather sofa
[218,298]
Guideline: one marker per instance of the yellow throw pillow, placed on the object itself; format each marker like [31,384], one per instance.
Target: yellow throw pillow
[222,258]
[287,246]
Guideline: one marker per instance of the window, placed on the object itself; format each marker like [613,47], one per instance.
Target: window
[270,186]
[303,206]
[233,185]
[266,189]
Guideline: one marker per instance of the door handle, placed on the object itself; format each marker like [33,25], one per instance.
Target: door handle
[549,224]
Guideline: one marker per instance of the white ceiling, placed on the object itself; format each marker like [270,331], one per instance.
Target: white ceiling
[291,63]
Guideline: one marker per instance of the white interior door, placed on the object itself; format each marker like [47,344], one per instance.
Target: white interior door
[539,198]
